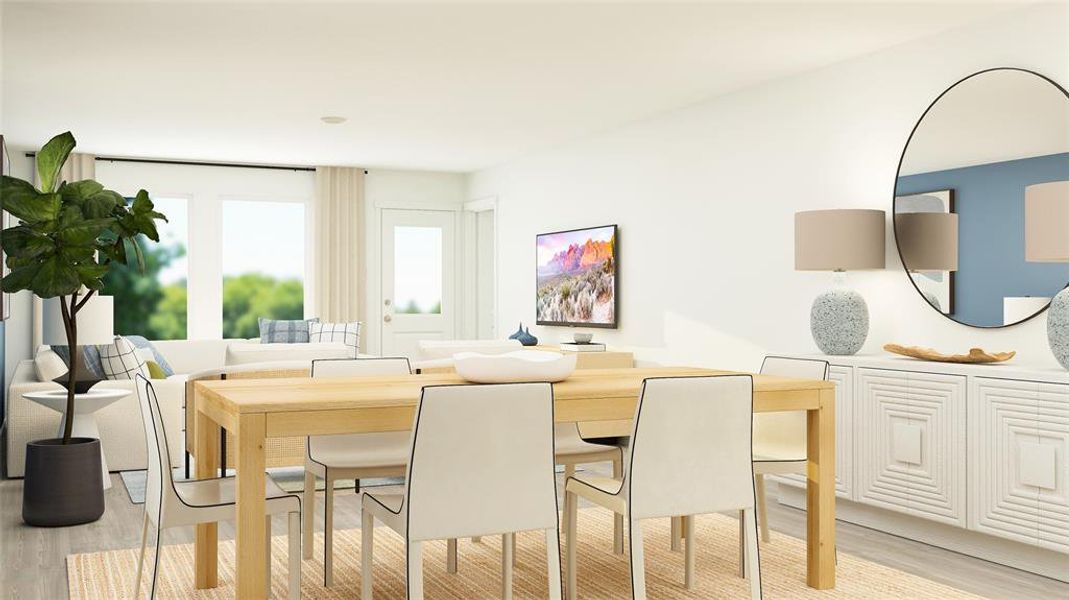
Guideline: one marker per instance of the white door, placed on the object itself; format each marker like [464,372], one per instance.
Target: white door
[418,274]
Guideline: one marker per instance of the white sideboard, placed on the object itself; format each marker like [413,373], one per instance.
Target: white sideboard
[973,458]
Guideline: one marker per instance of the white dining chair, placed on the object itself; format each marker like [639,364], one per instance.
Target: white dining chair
[352,456]
[481,464]
[690,454]
[184,503]
[779,438]
[572,450]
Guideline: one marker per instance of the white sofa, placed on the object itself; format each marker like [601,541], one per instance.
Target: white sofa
[121,432]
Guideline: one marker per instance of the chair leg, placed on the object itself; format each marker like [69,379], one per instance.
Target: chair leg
[451,556]
[689,550]
[415,571]
[617,520]
[141,558]
[309,512]
[742,545]
[753,557]
[506,565]
[156,565]
[295,555]
[677,534]
[367,543]
[267,553]
[553,563]
[638,562]
[571,519]
[762,507]
[328,532]
[569,471]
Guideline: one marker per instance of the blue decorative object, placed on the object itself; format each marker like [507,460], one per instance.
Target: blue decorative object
[524,337]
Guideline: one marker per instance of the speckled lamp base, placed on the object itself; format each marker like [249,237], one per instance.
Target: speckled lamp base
[839,322]
[1058,327]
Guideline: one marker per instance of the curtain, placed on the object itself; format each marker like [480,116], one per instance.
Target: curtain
[77,168]
[339,272]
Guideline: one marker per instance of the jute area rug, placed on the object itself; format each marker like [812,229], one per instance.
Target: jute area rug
[602,575]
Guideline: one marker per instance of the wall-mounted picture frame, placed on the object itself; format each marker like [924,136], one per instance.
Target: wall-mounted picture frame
[937,287]
[5,169]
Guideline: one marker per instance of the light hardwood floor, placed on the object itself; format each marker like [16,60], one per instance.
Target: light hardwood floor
[32,560]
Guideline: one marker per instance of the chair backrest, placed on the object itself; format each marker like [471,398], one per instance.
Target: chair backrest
[690,448]
[786,431]
[159,485]
[360,367]
[482,461]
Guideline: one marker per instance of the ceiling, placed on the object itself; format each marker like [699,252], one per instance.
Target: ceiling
[455,87]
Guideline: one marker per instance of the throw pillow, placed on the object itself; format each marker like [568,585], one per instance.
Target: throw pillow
[284,332]
[48,365]
[347,333]
[90,358]
[122,361]
[155,371]
[141,342]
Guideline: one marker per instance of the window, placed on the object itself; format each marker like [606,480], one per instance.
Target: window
[417,270]
[263,264]
[153,304]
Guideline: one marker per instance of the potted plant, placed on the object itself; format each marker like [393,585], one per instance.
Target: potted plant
[68,236]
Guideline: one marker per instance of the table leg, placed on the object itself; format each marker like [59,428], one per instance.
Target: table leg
[206,542]
[820,494]
[251,509]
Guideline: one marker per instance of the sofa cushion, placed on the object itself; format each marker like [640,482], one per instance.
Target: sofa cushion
[243,354]
[140,342]
[90,359]
[439,349]
[122,360]
[284,332]
[48,365]
[346,333]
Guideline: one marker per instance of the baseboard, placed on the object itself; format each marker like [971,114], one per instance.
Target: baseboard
[971,543]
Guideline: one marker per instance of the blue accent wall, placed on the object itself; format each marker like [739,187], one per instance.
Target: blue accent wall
[989,200]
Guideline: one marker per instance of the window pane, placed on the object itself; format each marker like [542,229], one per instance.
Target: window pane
[153,303]
[263,264]
[417,270]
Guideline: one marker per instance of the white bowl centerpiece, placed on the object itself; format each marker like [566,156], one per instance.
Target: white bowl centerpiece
[514,367]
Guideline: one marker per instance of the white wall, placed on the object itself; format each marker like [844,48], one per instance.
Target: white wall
[386,188]
[705,198]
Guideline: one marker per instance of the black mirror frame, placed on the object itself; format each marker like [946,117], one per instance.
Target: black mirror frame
[898,174]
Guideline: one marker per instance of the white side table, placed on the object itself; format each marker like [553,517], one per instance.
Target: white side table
[85,405]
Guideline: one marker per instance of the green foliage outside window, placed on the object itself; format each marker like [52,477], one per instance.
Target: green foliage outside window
[248,296]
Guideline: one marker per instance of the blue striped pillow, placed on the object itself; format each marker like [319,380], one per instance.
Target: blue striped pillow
[284,332]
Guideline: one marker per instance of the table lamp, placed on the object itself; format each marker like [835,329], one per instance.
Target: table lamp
[928,243]
[839,240]
[1046,239]
[95,327]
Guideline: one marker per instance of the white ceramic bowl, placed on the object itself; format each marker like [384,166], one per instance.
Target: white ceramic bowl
[514,367]
[582,338]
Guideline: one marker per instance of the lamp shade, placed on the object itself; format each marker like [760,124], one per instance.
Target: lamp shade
[1046,222]
[839,240]
[95,322]
[928,241]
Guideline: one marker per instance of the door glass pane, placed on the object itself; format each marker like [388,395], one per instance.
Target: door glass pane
[417,270]
[263,264]
[153,303]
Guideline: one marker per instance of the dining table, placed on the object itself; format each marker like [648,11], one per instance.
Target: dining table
[253,410]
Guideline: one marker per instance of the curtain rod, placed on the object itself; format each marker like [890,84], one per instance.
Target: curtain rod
[196,163]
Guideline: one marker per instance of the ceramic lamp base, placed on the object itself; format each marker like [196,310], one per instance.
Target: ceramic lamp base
[839,322]
[1058,327]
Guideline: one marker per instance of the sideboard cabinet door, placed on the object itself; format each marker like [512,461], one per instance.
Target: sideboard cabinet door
[910,443]
[1019,472]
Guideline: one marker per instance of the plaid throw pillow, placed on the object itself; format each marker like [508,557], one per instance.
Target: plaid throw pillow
[284,332]
[347,333]
[121,360]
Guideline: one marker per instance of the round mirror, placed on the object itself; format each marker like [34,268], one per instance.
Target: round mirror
[974,158]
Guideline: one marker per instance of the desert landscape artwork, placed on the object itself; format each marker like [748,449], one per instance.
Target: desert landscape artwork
[577,277]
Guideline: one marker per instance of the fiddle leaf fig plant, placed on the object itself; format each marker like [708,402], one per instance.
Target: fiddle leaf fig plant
[68,236]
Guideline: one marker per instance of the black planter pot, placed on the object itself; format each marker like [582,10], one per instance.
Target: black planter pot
[63,484]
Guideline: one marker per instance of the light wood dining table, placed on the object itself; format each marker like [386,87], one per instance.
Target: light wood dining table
[253,410]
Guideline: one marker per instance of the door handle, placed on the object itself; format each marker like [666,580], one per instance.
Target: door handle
[387,318]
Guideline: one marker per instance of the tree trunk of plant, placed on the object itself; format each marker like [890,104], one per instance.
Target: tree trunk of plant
[70,323]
